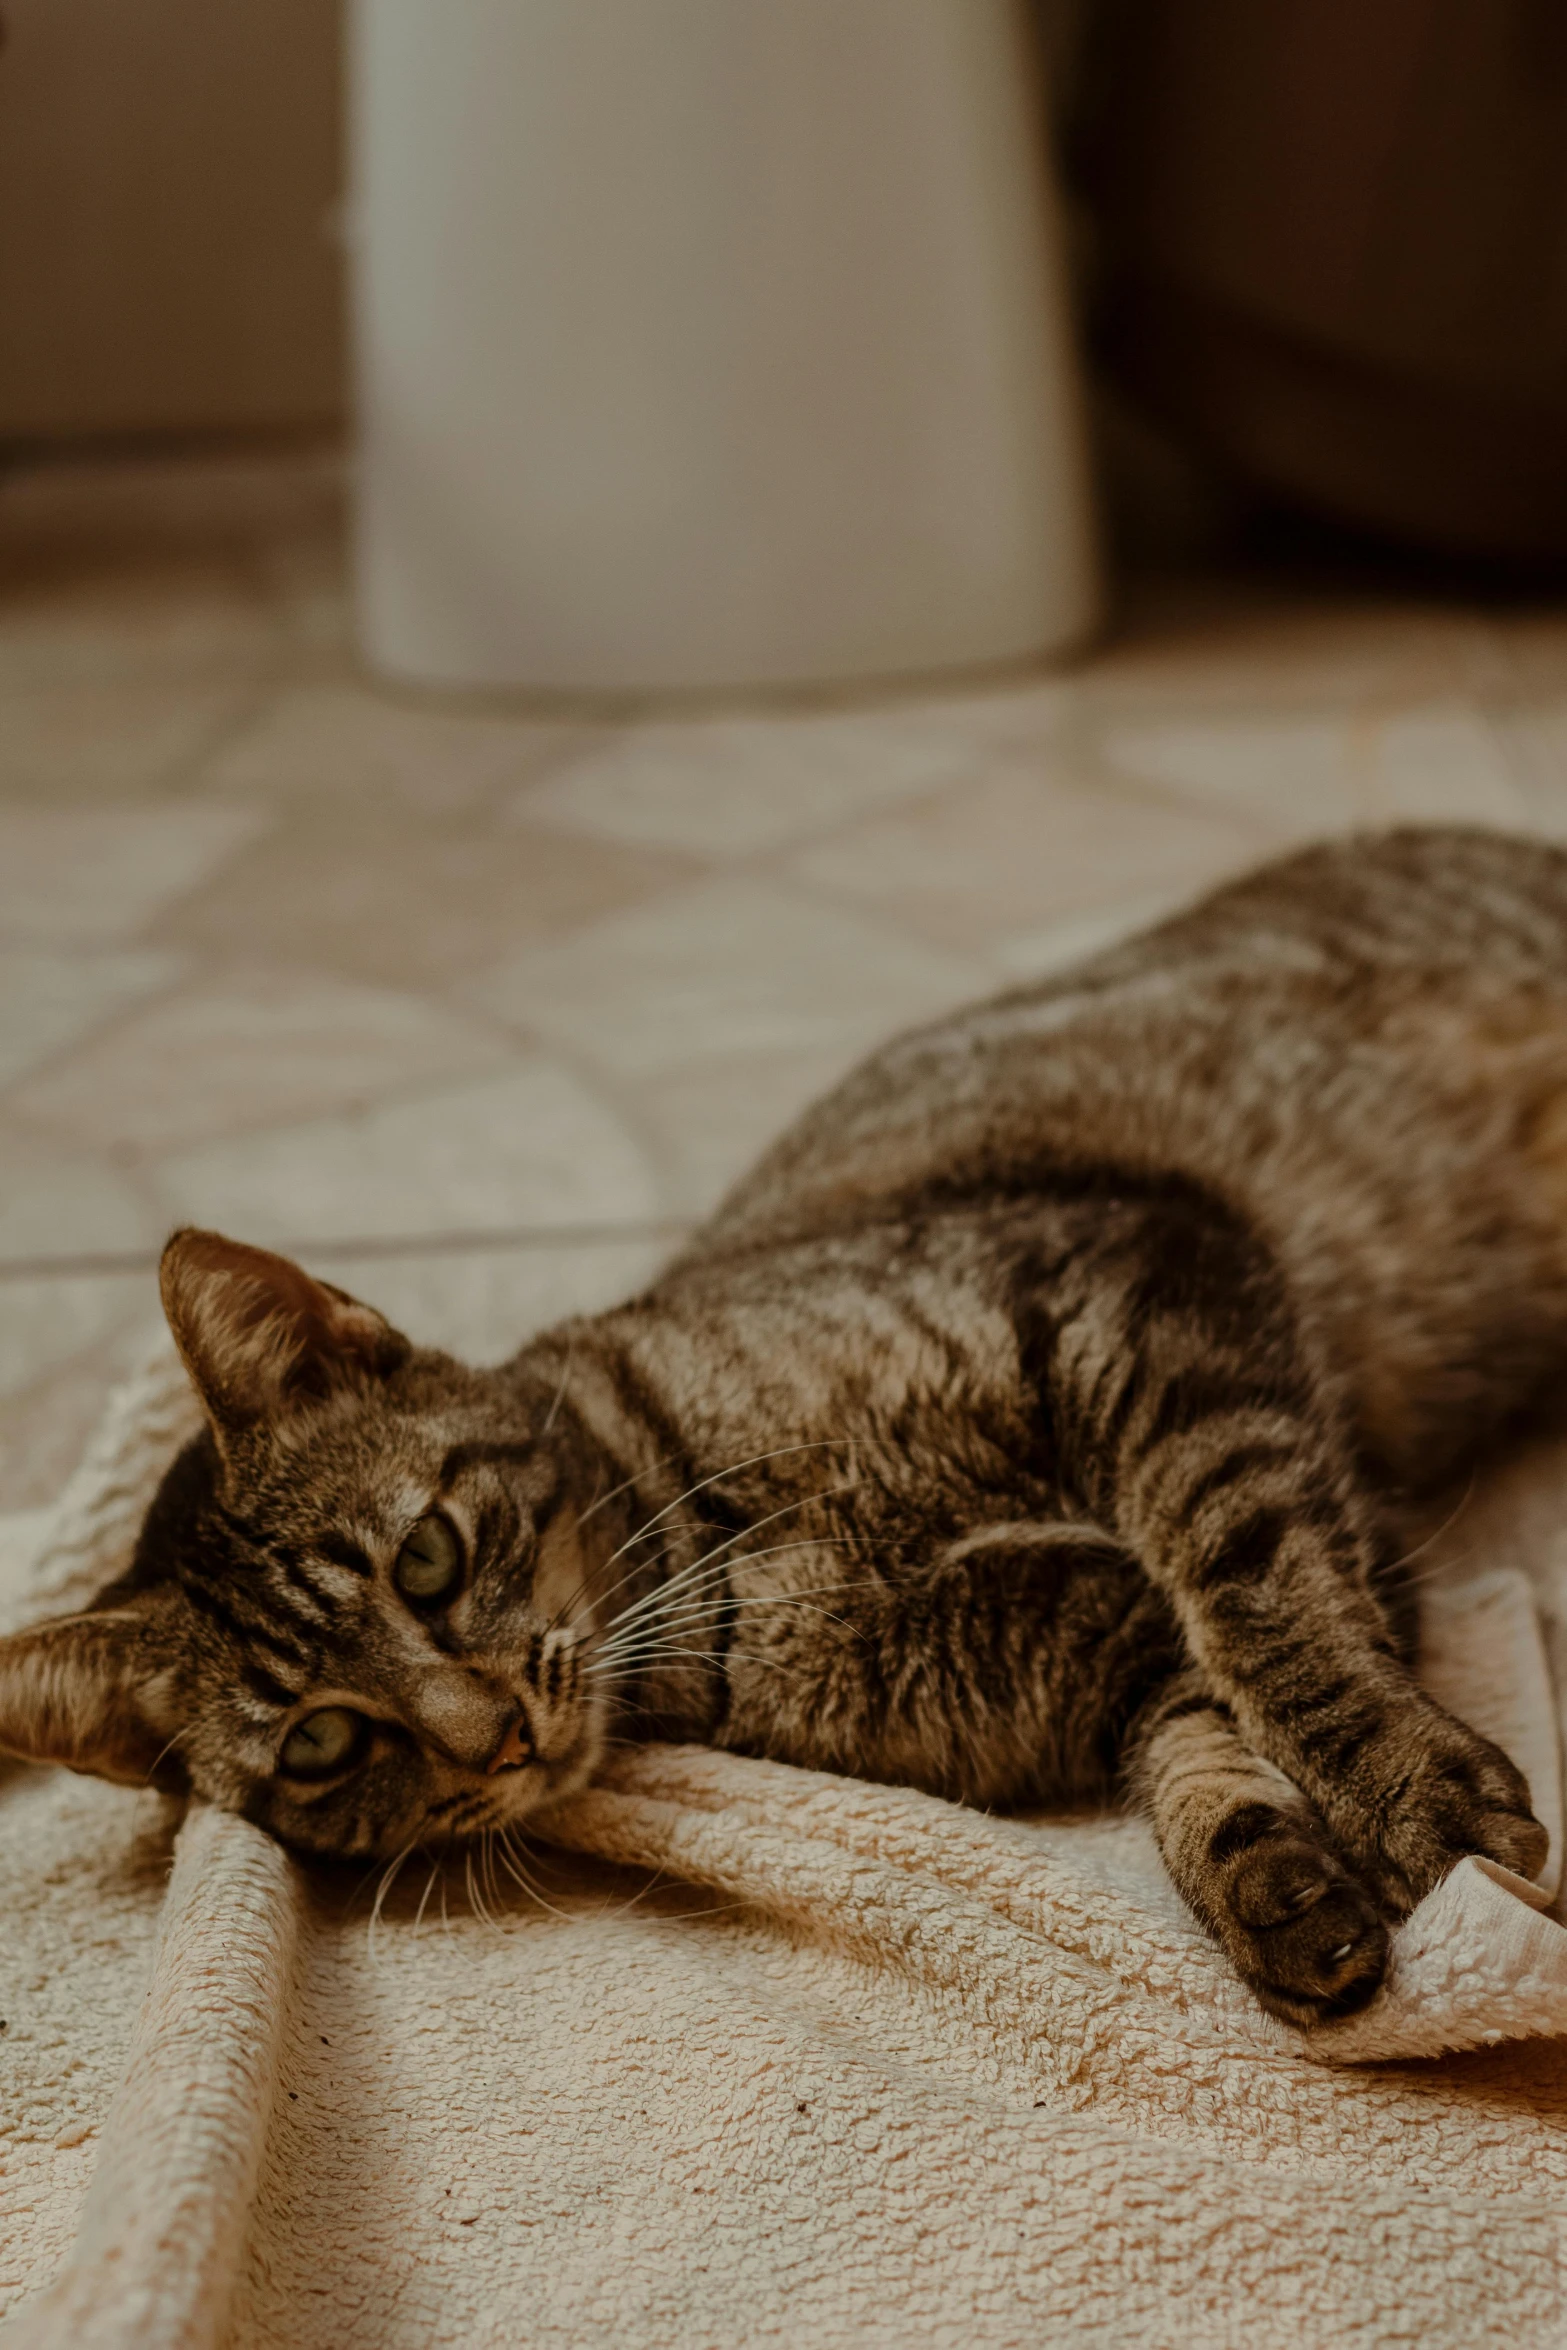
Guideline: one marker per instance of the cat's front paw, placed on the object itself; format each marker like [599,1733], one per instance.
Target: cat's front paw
[1306,1938]
[1444,1792]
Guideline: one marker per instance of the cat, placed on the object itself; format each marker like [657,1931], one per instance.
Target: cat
[1038,1421]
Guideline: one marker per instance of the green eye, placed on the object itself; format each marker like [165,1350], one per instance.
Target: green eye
[323,1742]
[429,1562]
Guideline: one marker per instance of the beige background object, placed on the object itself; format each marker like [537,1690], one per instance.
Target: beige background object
[169,171]
[710,346]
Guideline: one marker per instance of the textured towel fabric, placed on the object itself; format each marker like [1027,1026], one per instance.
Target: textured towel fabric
[766,2056]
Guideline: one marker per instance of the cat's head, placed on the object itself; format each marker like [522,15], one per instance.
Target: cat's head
[358,1611]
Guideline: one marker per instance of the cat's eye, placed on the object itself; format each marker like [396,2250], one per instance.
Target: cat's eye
[429,1563]
[325,1741]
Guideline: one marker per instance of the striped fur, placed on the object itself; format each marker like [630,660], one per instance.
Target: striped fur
[1043,1417]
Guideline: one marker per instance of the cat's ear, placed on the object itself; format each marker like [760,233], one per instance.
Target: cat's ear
[84,1691]
[258,1335]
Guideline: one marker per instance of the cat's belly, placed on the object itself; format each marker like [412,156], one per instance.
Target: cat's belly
[1424,1225]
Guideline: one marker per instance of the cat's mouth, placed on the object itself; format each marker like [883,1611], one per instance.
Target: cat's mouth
[547,1779]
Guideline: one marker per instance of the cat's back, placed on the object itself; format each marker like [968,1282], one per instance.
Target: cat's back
[1359,1009]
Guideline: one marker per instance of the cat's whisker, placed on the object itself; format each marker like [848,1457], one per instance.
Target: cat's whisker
[642,1566]
[675,1593]
[363,1881]
[613,1911]
[1398,1574]
[571,1348]
[511,1861]
[582,1586]
[664,1635]
[1435,1536]
[703,1573]
[759,1525]
[477,1900]
[702,1607]
[804,1599]
[671,1540]
[683,1602]
[707,1567]
[713,1909]
[163,1751]
[661,1592]
[580,1589]
[701,1656]
[1437,1572]
[429,1888]
[492,1842]
[803,1501]
[690,1656]
[492,1864]
[389,1876]
[822,1444]
[624,1486]
[754,1461]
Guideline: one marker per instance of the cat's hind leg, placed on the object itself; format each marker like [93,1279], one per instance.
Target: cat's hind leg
[1252,1859]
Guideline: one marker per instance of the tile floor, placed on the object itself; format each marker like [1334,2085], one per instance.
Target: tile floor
[475,1008]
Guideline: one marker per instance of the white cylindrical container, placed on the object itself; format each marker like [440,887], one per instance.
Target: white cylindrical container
[709,344]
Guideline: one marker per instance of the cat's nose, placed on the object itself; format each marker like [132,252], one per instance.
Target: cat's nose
[515,1749]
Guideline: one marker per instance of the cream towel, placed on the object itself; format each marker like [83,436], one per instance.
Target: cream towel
[806,2060]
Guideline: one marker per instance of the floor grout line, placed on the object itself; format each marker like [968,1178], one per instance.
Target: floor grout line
[366,1250]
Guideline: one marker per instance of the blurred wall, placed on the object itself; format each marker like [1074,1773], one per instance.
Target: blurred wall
[1332,249]
[170,172]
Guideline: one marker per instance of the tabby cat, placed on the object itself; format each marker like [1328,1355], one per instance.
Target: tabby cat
[1038,1420]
